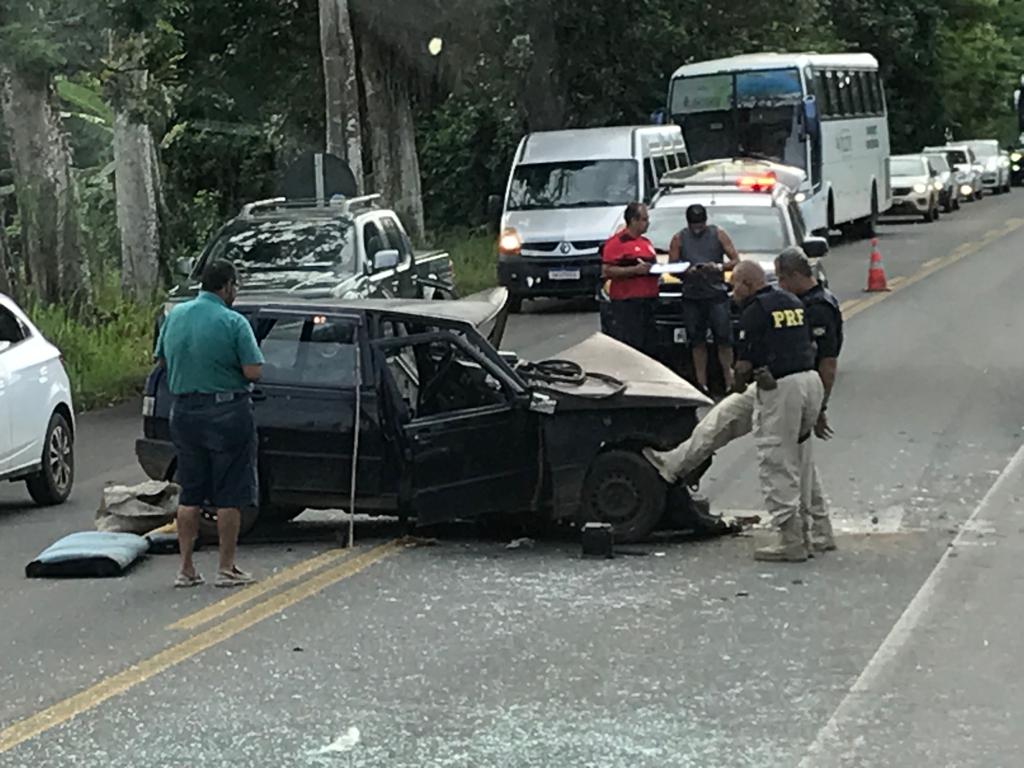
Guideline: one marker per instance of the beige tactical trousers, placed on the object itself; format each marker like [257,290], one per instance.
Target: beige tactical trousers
[786,466]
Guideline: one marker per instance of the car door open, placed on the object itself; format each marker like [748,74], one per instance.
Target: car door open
[470,442]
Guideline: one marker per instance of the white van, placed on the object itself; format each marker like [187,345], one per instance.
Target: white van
[566,196]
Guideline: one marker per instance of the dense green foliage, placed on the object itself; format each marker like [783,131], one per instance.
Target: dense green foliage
[235,90]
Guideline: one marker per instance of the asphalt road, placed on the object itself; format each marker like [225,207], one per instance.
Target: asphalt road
[898,649]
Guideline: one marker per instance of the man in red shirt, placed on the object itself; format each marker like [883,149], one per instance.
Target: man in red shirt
[626,259]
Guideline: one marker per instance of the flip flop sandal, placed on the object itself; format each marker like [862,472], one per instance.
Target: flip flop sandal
[236,577]
[184,581]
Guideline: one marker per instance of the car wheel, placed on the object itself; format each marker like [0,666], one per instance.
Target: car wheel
[515,303]
[52,484]
[624,490]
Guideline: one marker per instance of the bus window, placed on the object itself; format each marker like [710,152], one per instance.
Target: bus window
[867,87]
[857,94]
[832,93]
[682,160]
[845,94]
[880,90]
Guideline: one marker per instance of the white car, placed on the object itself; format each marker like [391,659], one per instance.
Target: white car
[37,423]
[995,175]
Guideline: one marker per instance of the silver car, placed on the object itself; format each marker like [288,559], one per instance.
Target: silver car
[968,172]
[995,163]
[949,192]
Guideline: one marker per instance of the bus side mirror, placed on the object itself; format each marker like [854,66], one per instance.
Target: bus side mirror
[811,124]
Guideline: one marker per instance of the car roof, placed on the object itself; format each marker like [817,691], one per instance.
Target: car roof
[710,198]
[474,310]
[616,143]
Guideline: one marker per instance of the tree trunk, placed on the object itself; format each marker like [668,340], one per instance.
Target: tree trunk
[341,85]
[389,120]
[45,188]
[543,93]
[137,184]
[7,274]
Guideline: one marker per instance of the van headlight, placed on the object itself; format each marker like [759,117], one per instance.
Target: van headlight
[920,188]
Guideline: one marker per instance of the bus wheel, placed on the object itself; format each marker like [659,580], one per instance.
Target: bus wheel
[869,224]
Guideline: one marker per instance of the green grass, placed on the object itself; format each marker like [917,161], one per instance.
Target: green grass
[107,353]
[475,260]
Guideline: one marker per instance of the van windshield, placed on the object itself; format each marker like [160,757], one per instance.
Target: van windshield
[573,184]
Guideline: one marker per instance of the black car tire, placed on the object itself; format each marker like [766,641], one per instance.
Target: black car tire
[515,303]
[52,484]
[623,489]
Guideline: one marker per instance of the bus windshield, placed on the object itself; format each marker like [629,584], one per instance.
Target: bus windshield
[574,184]
[756,113]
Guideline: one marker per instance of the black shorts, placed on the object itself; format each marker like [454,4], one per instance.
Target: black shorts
[700,316]
[215,444]
[629,321]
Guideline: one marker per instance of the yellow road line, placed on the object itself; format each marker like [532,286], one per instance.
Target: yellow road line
[250,593]
[112,686]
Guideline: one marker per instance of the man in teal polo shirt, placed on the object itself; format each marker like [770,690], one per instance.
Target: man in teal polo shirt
[212,358]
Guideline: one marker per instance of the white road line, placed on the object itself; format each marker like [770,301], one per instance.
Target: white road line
[900,634]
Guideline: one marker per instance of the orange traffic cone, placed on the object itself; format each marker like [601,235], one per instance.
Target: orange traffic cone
[876,272]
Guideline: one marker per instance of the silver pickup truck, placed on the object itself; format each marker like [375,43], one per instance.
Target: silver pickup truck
[345,248]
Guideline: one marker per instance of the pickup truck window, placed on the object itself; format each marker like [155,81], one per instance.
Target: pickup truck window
[398,239]
[298,244]
[373,240]
[309,353]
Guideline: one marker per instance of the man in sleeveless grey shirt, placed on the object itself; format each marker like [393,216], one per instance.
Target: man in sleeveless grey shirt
[705,296]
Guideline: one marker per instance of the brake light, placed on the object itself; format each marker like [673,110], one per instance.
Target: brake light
[760,183]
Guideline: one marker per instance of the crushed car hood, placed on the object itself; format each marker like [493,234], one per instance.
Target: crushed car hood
[644,379]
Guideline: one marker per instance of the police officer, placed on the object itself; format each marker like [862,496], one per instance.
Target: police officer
[733,417]
[776,351]
[212,357]
[825,319]
[626,261]
[704,293]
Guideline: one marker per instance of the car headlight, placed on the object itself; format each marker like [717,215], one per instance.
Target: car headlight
[1016,167]
[1017,157]
[966,190]
[938,186]
[920,188]
[509,243]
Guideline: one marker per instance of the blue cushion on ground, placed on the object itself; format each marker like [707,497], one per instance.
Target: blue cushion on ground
[88,554]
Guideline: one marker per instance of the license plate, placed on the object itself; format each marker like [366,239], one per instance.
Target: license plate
[679,335]
[564,274]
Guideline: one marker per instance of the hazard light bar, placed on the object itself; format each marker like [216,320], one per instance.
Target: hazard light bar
[748,174]
[763,183]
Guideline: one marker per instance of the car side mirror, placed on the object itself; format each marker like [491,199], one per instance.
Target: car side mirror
[816,247]
[185,266]
[494,206]
[385,260]
[4,346]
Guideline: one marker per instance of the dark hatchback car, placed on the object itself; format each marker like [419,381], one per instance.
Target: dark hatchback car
[450,429]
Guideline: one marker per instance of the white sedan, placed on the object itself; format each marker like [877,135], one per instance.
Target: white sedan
[37,423]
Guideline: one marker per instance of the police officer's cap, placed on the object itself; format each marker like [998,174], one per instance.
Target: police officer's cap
[696,214]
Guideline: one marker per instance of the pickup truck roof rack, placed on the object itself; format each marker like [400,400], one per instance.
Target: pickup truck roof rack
[339,205]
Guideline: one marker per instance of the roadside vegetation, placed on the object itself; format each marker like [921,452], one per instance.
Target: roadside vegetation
[159,118]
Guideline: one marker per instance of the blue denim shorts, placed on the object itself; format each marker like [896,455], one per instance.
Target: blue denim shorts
[215,442]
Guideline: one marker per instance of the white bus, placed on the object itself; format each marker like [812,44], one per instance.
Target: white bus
[824,114]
